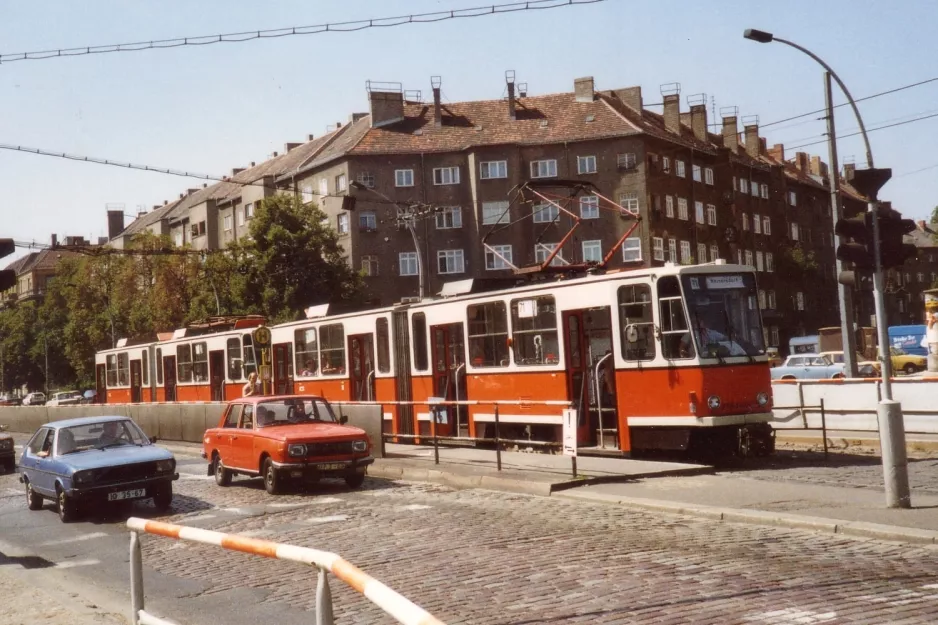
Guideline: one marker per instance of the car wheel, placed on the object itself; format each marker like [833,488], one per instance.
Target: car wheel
[222,475]
[33,499]
[271,478]
[910,369]
[65,505]
[355,480]
[163,498]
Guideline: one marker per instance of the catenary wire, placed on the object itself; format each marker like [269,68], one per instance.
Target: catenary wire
[853,134]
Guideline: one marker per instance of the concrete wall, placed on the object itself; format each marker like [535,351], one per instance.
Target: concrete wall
[172,422]
[851,404]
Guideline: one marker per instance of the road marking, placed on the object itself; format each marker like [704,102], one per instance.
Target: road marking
[930,587]
[76,563]
[199,517]
[75,539]
[415,506]
[11,491]
[328,519]
[310,502]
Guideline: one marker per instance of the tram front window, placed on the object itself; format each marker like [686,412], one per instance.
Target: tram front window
[724,314]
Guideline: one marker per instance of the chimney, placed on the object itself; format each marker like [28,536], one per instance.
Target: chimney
[310,137]
[191,191]
[436,81]
[583,88]
[753,144]
[237,170]
[387,103]
[921,226]
[631,97]
[204,185]
[510,80]
[276,155]
[115,223]
[698,116]
[778,152]
[55,239]
[818,167]
[762,146]
[849,169]
[730,133]
[671,94]
[802,162]
[354,117]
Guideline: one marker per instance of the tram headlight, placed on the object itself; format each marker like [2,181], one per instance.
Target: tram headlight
[714,402]
[762,398]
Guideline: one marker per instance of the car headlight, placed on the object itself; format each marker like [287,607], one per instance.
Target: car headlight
[164,466]
[83,477]
[714,402]
[762,398]
[360,446]
[296,451]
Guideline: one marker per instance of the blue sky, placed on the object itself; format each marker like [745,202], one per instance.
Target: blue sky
[216,107]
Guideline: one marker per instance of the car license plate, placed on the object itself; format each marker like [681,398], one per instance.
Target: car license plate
[127,494]
[332,466]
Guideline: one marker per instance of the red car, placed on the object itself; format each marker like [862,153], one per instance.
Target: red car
[285,438]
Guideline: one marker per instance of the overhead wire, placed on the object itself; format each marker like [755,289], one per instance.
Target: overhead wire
[853,134]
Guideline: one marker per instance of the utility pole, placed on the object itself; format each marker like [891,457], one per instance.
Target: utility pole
[844,292]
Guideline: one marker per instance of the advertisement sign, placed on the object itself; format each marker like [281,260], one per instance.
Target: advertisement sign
[569,432]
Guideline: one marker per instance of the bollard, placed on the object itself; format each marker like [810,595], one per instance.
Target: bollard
[895,461]
[324,614]
[434,415]
[498,445]
[136,579]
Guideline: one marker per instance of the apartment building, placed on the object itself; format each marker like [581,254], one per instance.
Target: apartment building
[905,285]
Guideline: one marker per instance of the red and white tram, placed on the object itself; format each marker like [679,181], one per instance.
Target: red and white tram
[656,358]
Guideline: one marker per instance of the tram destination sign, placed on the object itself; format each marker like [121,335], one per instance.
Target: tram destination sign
[725,282]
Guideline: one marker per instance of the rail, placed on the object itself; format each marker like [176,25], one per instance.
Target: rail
[803,409]
[395,605]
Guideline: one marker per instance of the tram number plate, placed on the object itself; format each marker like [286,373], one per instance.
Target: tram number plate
[127,494]
[332,466]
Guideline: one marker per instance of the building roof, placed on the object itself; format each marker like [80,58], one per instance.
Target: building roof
[44,259]
[925,235]
[141,223]
[18,264]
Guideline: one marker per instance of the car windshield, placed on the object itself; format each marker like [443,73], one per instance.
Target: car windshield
[724,313]
[294,410]
[100,435]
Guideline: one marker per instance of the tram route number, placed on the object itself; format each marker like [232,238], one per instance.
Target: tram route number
[569,432]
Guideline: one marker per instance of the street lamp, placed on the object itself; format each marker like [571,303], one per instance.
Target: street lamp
[889,412]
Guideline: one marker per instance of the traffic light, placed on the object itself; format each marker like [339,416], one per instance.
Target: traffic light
[859,251]
[892,227]
[7,276]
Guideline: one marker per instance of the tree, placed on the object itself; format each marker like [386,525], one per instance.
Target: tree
[934,216]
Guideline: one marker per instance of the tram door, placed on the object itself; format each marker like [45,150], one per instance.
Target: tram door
[449,379]
[216,374]
[169,377]
[101,386]
[135,381]
[361,349]
[587,338]
[283,374]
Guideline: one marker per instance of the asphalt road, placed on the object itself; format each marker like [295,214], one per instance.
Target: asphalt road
[470,557]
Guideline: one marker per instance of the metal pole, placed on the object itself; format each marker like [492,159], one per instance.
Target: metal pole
[434,414]
[498,446]
[824,427]
[324,614]
[573,465]
[136,579]
[409,220]
[844,293]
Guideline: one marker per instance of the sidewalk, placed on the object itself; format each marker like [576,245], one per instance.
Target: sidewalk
[27,602]
[847,439]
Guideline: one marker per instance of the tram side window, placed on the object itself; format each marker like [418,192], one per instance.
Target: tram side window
[250,363]
[233,347]
[637,322]
[123,369]
[488,334]
[184,363]
[534,331]
[200,362]
[159,366]
[145,366]
[332,348]
[306,349]
[384,345]
[676,341]
[111,368]
[419,323]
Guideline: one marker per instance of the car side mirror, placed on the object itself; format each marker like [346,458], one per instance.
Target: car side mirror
[343,419]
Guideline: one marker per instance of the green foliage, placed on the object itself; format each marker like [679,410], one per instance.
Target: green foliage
[934,215]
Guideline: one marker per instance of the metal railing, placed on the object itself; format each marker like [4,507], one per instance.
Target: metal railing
[393,604]
[803,410]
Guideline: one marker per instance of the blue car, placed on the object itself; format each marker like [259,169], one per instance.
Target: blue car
[92,462]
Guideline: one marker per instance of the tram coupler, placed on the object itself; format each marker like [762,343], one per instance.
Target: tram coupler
[755,440]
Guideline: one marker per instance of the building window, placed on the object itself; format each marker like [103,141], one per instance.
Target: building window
[672,250]
[366,179]
[229,223]
[449,217]
[592,251]
[754,186]
[685,252]
[769,262]
[499,257]
[494,213]
[696,173]
[701,252]
[901,306]
[445,175]
[546,213]
[714,252]
[757,224]
[743,185]
[585,165]
[921,277]
[792,198]
[773,331]
[240,213]
[666,164]
[589,207]
[708,176]
[367,220]
[799,300]
[766,225]
[542,252]
[749,258]
[627,160]
[197,229]
[908,278]
[407,263]
[632,249]
[761,299]
[177,239]
[493,169]
[699,212]
[544,169]
[682,208]
[306,193]
[323,187]
[745,222]
[760,261]
[679,166]
[765,191]
[771,304]
[739,256]
[403,177]
[711,215]
[450,261]
[657,247]
[629,201]
[369,266]
[341,183]
[249,210]
[342,223]
[794,232]
[669,206]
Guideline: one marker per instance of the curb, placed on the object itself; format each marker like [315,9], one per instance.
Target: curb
[858,529]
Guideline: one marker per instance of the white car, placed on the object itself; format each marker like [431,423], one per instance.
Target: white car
[65,398]
[34,399]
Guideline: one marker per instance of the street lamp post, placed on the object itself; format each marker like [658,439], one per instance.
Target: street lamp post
[889,411]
